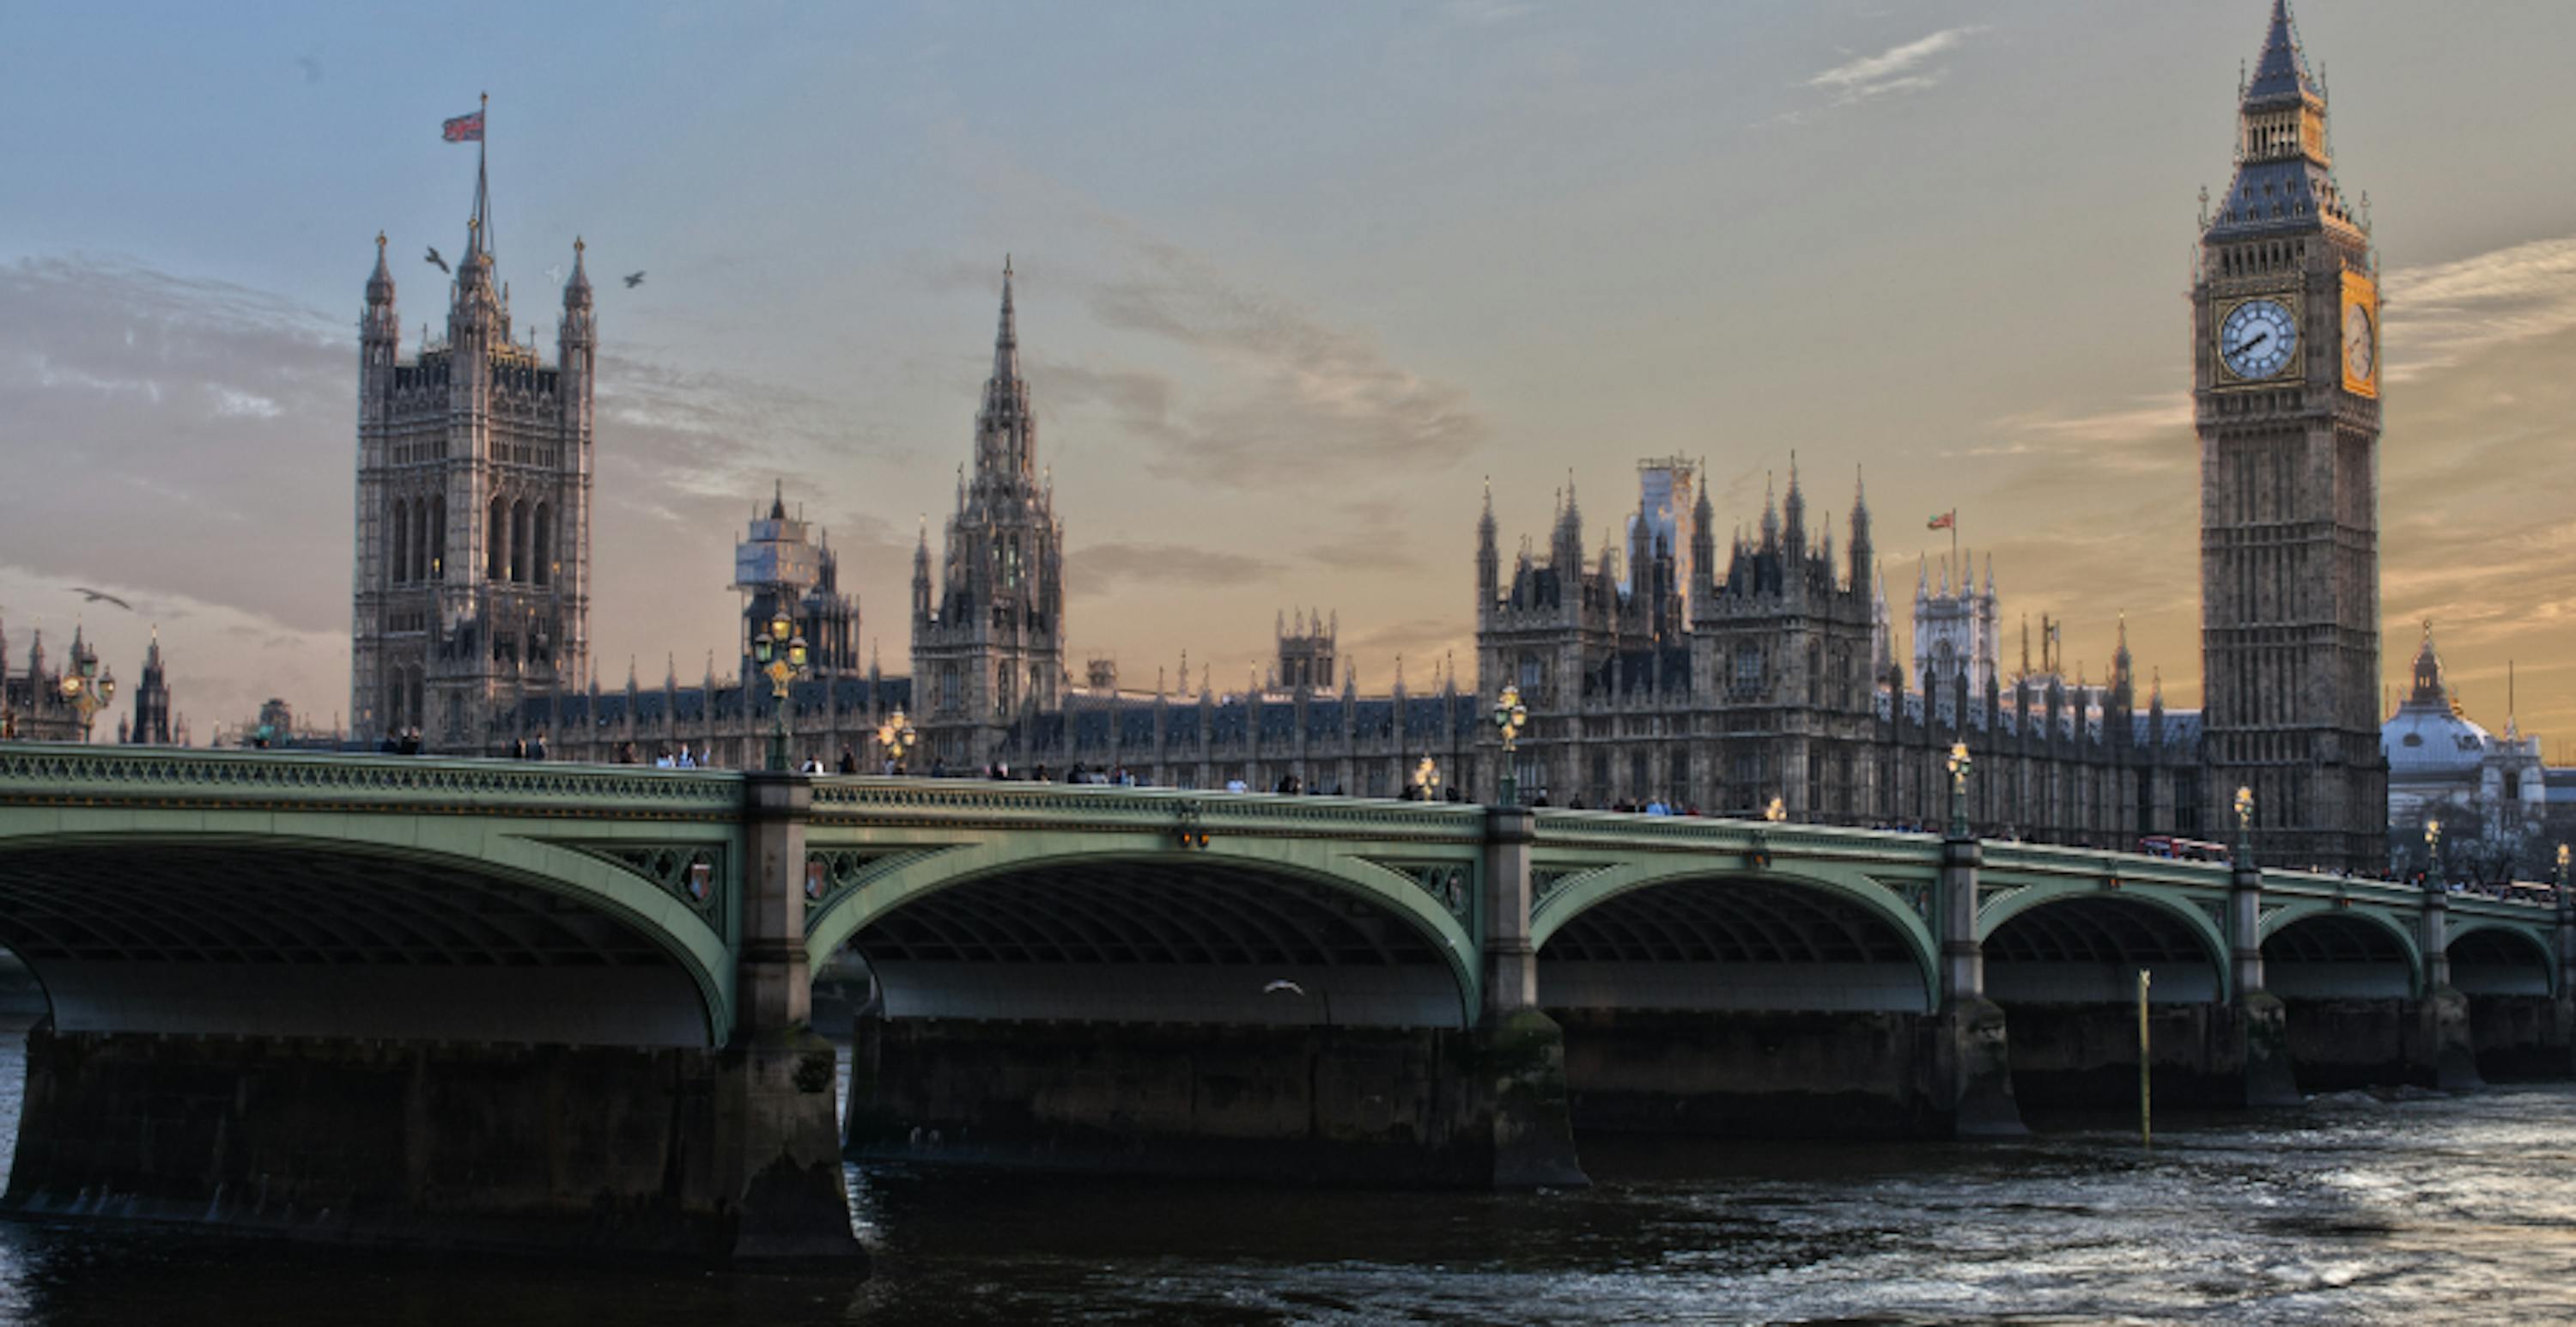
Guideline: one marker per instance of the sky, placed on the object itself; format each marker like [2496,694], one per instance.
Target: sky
[1295,281]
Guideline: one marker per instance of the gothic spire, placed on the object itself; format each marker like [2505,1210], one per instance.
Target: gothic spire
[380,283]
[2281,72]
[778,500]
[577,288]
[1006,340]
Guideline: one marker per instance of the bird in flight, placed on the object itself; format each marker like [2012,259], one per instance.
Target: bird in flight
[101,596]
[634,279]
[438,262]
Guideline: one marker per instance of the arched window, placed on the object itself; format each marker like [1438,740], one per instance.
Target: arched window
[545,545]
[433,549]
[519,542]
[401,523]
[496,541]
[413,711]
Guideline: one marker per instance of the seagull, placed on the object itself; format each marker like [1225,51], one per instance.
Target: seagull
[634,279]
[438,262]
[101,596]
[555,275]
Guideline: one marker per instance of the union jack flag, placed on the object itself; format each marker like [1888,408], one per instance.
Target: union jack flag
[463,129]
[1946,520]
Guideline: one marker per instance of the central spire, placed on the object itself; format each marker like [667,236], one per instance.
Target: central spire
[1006,339]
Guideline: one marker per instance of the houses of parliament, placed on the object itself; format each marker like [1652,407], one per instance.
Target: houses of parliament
[1678,667]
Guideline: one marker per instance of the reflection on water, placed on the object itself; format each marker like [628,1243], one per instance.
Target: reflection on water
[2356,1210]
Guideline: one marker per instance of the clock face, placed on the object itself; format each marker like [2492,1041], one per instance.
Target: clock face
[2360,353]
[2257,338]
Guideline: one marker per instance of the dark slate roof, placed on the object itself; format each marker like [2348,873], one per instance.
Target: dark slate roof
[2282,71]
[1136,725]
[1278,725]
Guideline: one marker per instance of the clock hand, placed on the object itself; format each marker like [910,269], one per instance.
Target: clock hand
[2244,346]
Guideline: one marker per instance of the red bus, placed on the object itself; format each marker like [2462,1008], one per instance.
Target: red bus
[2182,850]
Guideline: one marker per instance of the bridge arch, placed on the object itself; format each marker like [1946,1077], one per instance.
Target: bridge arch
[1032,925]
[370,926]
[1661,933]
[2080,944]
[2319,951]
[2500,958]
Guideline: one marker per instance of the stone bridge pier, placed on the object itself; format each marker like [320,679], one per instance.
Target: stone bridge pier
[429,1003]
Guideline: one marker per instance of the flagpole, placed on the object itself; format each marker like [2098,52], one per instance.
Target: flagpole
[482,160]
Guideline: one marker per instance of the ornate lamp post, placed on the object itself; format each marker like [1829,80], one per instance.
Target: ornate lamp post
[1426,780]
[2432,854]
[2244,826]
[780,652]
[2560,891]
[87,690]
[1960,764]
[1509,717]
[1776,812]
[896,735]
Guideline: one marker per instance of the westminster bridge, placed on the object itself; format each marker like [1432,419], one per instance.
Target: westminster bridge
[475,1002]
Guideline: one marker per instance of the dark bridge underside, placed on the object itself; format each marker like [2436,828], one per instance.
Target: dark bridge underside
[1713,944]
[2088,949]
[300,941]
[2335,956]
[2495,962]
[1157,941]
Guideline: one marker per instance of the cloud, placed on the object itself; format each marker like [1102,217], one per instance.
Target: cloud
[2443,314]
[1101,568]
[1898,69]
[1290,401]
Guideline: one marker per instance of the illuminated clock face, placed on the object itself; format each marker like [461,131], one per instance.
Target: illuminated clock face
[2360,353]
[2257,339]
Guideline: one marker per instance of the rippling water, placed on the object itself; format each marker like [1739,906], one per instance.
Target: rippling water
[2357,1210]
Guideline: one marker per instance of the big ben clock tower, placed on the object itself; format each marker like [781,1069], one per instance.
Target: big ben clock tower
[2285,378]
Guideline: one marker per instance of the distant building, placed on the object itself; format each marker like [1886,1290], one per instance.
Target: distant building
[1956,632]
[32,705]
[782,567]
[151,723]
[2444,766]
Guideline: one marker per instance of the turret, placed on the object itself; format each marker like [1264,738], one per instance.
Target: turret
[1489,559]
[1703,549]
[1795,512]
[1863,553]
[380,328]
[921,577]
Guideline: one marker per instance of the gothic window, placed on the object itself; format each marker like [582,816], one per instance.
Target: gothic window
[1748,668]
[1002,690]
[432,548]
[496,541]
[544,545]
[519,542]
[401,524]
[1533,675]
[1011,562]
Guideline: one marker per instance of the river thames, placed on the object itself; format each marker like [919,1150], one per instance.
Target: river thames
[2410,1208]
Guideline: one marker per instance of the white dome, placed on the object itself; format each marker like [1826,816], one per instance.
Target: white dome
[2427,739]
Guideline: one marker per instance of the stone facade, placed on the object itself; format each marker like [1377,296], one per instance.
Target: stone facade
[473,508]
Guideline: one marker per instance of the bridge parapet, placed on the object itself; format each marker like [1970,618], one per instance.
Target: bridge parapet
[983,804]
[53,774]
